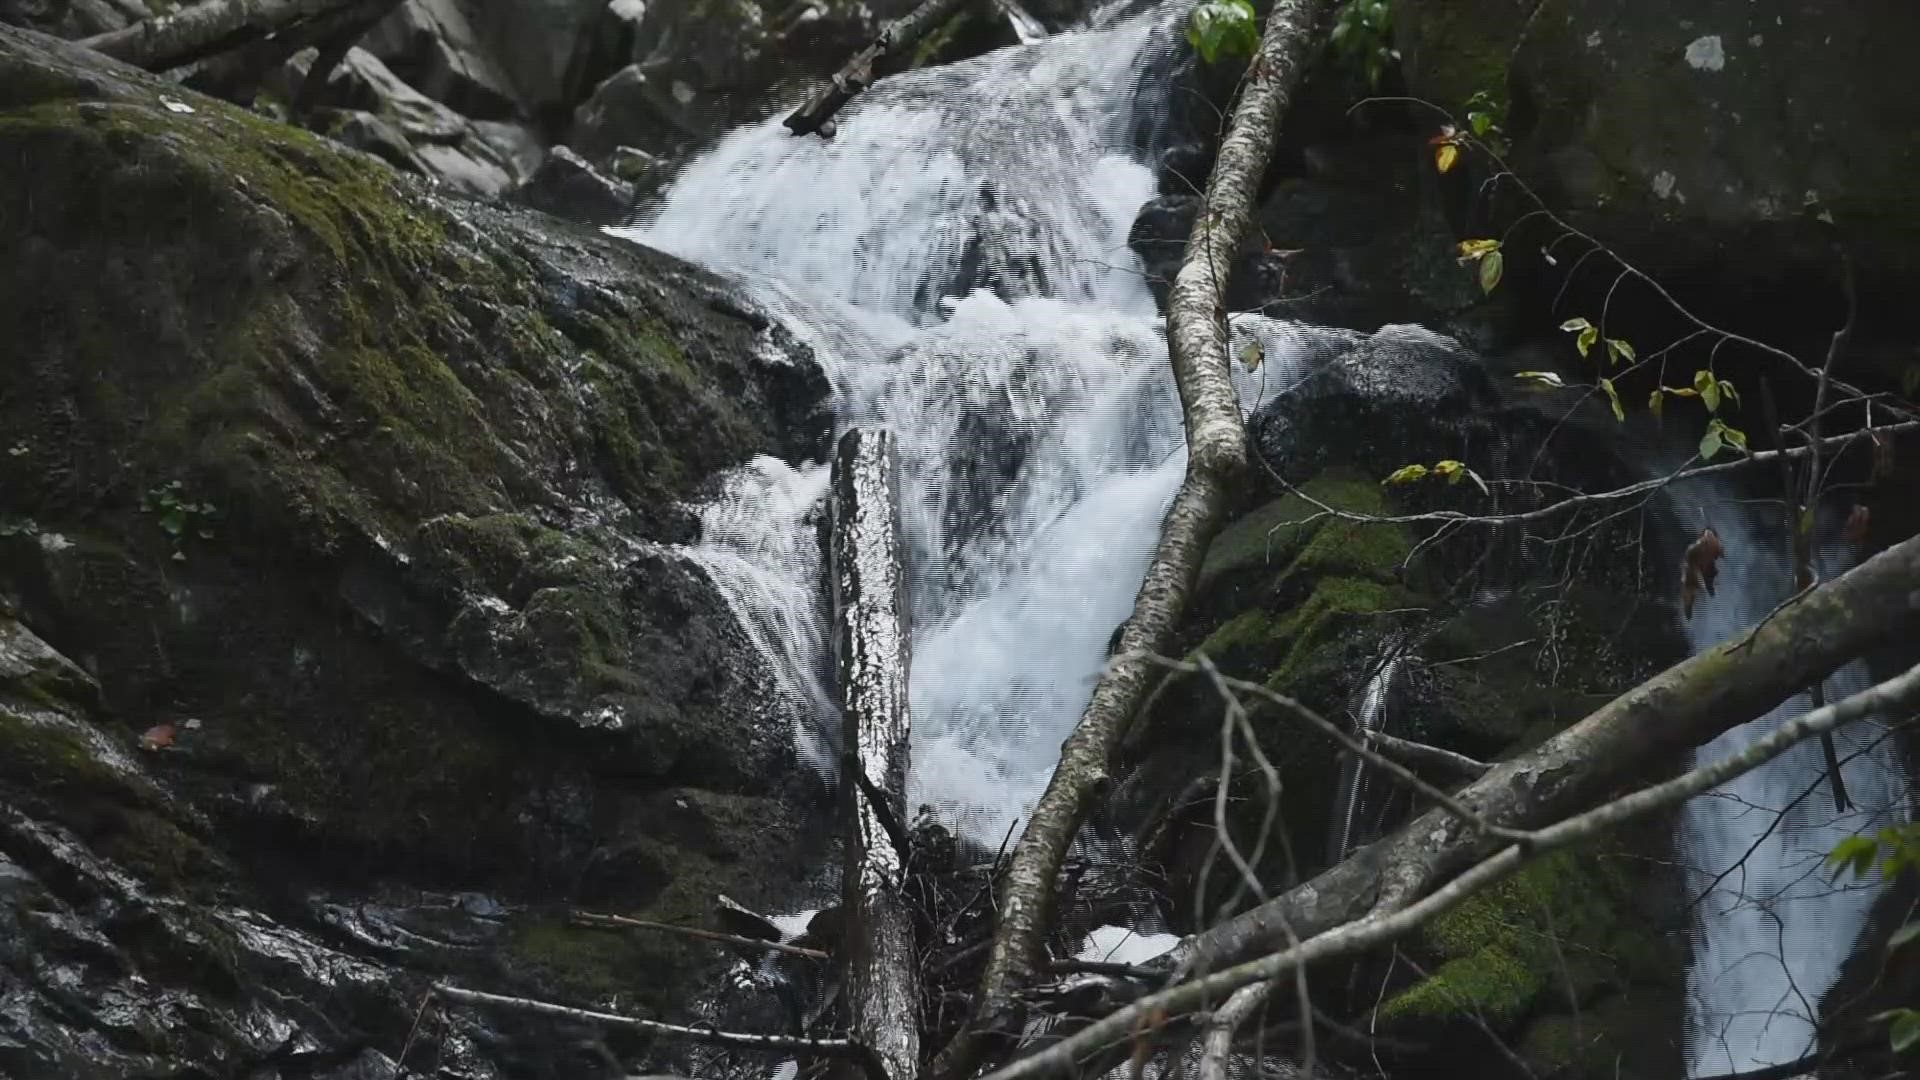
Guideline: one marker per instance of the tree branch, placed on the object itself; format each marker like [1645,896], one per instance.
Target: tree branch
[1058,1059]
[1216,453]
[836,1048]
[1421,755]
[591,918]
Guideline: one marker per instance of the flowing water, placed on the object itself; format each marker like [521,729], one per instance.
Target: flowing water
[956,258]
[1774,925]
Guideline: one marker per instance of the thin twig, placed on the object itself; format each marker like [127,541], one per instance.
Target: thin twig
[590,918]
[838,1048]
[1433,757]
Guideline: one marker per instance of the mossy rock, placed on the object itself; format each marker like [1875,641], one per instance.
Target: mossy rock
[1554,937]
[1452,49]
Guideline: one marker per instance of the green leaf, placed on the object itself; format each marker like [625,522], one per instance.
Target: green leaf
[1708,388]
[1613,396]
[1219,28]
[1733,436]
[1904,1034]
[1709,445]
[1586,339]
[1727,391]
[1450,470]
[1575,325]
[1856,852]
[1904,936]
[1406,474]
[1480,123]
[1490,268]
[1655,403]
[1618,350]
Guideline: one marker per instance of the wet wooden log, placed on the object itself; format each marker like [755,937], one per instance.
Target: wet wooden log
[170,41]
[867,583]
[815,115]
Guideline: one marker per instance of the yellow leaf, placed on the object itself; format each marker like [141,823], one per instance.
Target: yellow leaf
[1406,474]
[1474,249]
[1449,470]
[1251,354]
[1445,155]
[1619,412]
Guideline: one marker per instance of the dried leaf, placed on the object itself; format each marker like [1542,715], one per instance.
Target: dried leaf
[1858,521]
[1699,567]
[1882,456]
[157,737]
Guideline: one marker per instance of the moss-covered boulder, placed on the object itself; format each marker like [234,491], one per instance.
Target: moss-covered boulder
[358,508]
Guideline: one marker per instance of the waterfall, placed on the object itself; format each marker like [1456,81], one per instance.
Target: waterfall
[956,257]
[1774,925]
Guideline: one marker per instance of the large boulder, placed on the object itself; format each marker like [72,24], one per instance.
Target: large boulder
[339,528]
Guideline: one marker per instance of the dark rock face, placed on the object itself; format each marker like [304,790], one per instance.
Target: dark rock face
[567,186]
[360,503]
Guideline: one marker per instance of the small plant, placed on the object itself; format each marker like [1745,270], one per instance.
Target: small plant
[1486,118]
[1220,28]
[1901,847]
[1362,37]
[179,517]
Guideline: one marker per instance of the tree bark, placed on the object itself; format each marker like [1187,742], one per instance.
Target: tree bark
[1646,728]
[815,115]
[169,41]
[870,645]
[1216,454]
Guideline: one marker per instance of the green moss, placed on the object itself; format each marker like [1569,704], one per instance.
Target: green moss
[1456,48]
[1555,927]
[47,753]
[580,962]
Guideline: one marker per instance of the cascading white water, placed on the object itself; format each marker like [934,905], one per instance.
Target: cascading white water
[1773,932]
[956,256]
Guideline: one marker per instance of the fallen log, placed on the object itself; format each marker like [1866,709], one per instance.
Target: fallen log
[170,41]
[871,653]
[815,115]
[237,73]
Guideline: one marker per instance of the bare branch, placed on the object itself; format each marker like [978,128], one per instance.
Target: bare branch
[835,1048]
[1420,755]
[1058,1059]
[590,918]
[1217,1044]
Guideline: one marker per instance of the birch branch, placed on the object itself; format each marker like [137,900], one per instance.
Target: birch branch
[1216,454]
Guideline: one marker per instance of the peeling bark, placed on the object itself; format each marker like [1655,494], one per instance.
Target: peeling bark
[170,41]
[1216,454]
[871,651]
[815,115]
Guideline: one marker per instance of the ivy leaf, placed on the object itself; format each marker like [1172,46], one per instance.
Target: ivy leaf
[1547,377]
[1450,470]
[1613,396]
[1490,268]
[1406,474]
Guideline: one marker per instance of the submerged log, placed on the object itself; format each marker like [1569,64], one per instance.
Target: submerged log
[815,115]
[870,646]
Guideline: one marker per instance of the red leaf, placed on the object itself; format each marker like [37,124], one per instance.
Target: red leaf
[1699,568]
[158,737]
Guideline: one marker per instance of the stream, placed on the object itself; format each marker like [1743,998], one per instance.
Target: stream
[956,257]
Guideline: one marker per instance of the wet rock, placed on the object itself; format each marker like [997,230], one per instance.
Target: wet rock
[567,186]
[426,656]
[441,47]
[368,107]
